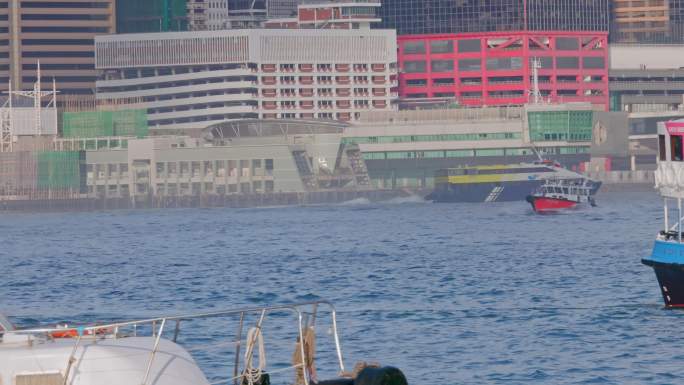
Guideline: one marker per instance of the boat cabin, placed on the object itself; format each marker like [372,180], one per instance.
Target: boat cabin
[669,177]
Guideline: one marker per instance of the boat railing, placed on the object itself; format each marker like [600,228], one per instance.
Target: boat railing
[305,312]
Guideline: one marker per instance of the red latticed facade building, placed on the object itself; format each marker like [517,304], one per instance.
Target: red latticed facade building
[496,68]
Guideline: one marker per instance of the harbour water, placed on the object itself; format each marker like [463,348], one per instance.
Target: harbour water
[450,293]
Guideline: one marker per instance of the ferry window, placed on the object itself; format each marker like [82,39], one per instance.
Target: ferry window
[661,147]
[676,147]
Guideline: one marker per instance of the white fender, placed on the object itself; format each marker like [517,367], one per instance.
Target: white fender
[658,177]
[669,176]
[680,177]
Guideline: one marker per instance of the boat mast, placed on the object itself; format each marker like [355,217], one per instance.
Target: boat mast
[665,209]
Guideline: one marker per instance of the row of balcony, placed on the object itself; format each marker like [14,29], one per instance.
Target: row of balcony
[308,92]
[345,104]
[269,68]
[308,80]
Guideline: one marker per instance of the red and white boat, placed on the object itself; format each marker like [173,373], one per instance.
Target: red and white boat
[559,195]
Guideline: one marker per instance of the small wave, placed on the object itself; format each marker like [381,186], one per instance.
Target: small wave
[405,200]
[356,202]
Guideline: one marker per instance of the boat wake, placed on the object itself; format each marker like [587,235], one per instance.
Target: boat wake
[405,200]
[357,202]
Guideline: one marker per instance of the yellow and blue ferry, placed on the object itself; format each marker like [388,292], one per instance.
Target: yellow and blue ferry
[667,257]
[500,183]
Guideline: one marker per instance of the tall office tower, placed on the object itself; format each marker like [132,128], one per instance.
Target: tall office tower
[647,21]
[58,34]
[197,15]
[217,14]
[246,13]
[135,16]
[4,45]
[456,16]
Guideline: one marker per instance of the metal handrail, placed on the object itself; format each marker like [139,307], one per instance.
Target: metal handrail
[296,308]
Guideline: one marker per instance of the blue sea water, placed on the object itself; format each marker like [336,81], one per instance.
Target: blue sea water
[450,293]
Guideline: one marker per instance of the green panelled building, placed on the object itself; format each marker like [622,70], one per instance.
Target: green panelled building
[141,16]
[562,125]
[98,124]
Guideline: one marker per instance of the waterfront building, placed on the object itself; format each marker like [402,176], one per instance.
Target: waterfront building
[240,157]
[497,68]
[647,21]
[237,158]
[646,79]
[648,82]
[190,80]
[411,17]
[406,148]
[59,35]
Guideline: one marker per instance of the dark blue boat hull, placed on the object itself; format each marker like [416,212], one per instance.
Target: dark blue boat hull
[667,260]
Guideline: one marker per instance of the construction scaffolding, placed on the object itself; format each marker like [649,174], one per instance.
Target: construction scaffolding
[27,113]
[31,169]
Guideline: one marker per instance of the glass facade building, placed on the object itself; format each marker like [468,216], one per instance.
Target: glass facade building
[458,16]
[135,16]
[647,21]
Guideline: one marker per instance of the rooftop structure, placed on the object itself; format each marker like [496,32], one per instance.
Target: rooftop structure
[337,14]
[188,81]
[27,113]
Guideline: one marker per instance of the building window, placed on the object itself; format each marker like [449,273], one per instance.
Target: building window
[506,63]
[469,45]
[414,47]
[414,67]
[545,62]
[676,147]
[442,65]
[593,63]
[441,46]
[469,65]
[567,44]
[416,82]
[443,82]
[567,62]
